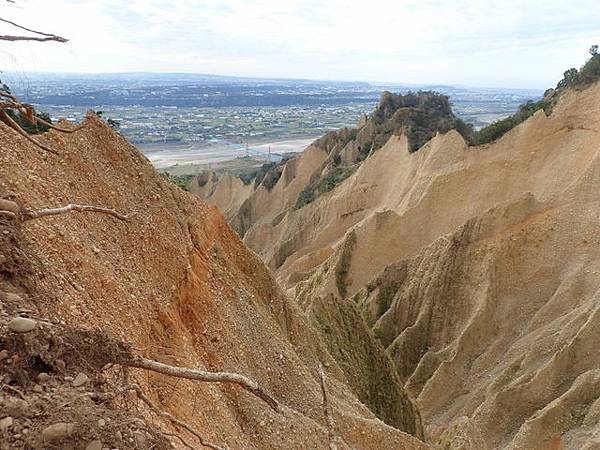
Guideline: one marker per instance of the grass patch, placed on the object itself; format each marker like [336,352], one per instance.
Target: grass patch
[343,265]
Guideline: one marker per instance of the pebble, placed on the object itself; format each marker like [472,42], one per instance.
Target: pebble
[101,422]
[80,379]
[3,354]
[43,377]
[37,388]
[57,431]
[22,325]
[6,423]
[60,365]
[94,445]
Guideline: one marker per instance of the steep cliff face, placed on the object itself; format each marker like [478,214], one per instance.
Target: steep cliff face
[176,283]
[477,268]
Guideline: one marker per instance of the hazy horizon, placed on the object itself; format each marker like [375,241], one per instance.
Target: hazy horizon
[515,44]
[16,75]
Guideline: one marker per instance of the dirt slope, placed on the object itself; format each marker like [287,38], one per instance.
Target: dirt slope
[476,267]
[177,283]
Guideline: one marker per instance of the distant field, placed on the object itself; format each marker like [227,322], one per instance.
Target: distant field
[203,119]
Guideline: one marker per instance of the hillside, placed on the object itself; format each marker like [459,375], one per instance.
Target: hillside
[172,283]
[477,267]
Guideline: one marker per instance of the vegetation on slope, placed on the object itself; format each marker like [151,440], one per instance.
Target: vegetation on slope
[343,264]
[324,184]
[419,116]
[573,78]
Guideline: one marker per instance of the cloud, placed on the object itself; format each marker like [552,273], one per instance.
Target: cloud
[464,41]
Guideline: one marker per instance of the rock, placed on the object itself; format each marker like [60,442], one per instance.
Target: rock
[101,422]
[80,379]
[37,388]
[140,439]
[94,445]
[13,406]
[7,205]
[5,424]
[11,297]
[22,325]
[43,377]
[3,354]
[57,431]
[60,365]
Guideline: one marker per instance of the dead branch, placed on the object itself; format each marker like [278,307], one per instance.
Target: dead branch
[44,36]
[61,129]
[31,215]
[107,396]
[327,410]
[15,126]
[172,418]
[201,375]
[27,111]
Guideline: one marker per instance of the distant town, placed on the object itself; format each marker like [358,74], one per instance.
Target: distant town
[161,110]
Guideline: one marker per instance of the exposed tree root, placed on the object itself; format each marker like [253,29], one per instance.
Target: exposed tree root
[4,117]
[31,215]
[12,210]
[11,103]
[201,375]
[140,394]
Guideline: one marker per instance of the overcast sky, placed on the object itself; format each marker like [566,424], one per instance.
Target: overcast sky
[510,43]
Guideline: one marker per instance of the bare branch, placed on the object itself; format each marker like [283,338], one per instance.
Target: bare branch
[4,117]
[46,36]
[201,375]
[27,111]
[170,417]
[327,410]
[31,215]
[61,129]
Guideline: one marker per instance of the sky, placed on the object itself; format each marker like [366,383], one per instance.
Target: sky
[501,43]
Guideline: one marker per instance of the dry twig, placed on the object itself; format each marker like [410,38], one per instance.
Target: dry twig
[42,37]
[327,410]
[171,418]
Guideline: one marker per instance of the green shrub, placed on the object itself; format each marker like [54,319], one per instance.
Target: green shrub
[501,127]
[333,177]
[385,296]
[419,115]
[378,333]
[181,181]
